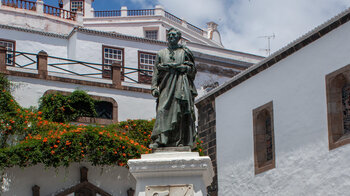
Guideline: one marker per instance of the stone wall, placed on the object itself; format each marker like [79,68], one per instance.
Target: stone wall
[207,133]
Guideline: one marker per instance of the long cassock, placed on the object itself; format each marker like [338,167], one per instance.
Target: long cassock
[175,120]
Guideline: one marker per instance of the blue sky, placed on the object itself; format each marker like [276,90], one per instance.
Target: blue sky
[244,23]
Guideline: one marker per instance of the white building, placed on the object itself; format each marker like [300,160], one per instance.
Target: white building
[281,126]
[52,49]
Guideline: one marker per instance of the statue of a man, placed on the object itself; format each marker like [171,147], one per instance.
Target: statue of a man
[172,84]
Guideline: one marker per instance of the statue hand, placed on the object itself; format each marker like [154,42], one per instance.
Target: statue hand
[155,93]
[183,68]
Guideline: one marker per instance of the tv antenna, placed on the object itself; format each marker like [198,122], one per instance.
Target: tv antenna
[268,37]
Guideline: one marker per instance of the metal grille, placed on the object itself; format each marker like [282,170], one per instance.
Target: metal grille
[346,108]
[268,139]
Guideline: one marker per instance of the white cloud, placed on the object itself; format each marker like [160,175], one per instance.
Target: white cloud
[241,22]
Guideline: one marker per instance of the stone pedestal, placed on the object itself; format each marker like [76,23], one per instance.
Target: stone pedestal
[172,171]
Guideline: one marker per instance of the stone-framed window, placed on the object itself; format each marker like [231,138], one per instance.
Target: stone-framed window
[151,34]
[106,108]
[263,131]
[77,5]
[146,62]
[110,55]
[338,107]
[10,45]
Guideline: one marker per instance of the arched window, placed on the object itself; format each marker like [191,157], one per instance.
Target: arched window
[264,151]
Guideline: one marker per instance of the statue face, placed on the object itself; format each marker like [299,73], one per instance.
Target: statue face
[173,37]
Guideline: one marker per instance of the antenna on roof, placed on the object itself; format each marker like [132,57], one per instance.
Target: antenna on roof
[268,37]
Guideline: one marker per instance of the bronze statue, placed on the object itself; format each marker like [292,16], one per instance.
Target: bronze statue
[172,84]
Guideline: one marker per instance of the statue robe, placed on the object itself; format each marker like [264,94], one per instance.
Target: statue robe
[175,118]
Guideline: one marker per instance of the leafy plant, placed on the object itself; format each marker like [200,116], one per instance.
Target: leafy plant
[60,108]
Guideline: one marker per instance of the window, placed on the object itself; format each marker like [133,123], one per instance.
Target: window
[10,46]
[151,34]
[111,55]
[264,150]
[338,107]
[77,5]
[106,108]
[146,62]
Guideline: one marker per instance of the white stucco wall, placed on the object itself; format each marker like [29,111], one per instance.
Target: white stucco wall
[89,49]
[33,43]
[19,181]
[35,20]
[296,85]
[28,92]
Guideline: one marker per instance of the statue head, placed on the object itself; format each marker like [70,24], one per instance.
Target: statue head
[173,36]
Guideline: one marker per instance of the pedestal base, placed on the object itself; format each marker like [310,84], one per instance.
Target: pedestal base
[171,173]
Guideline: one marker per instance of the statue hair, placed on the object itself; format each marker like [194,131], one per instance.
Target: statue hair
[173,29]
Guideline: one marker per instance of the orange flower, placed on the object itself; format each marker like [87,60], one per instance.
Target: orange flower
[126,127]
[45,139]
[52,152]
[100,133]
[115,152]
[55,146]
[123,147]
[68,143]
[39,112]
[11,100]
[124,154]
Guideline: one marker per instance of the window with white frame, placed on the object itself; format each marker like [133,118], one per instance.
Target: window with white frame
[10,47]
[146,62]
[111,55]
[77,5]
[151,34]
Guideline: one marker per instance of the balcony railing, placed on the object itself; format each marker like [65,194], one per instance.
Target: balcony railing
[44,64]
[111,13]
[61,13]
[173,18]
[21,4]
[146,12]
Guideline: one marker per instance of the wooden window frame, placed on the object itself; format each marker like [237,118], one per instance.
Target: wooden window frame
[70,5]
[139,64]
[267,165]
[335,81]
[14,50]
[123,59]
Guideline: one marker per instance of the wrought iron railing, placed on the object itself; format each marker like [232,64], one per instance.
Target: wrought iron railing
[61,13]
[21,4]
[79,68]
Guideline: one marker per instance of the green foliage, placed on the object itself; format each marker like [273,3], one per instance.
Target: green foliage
[27,139]
[67,143]
[60,108]
[4,83]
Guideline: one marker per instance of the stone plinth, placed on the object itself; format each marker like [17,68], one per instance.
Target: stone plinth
[170,171]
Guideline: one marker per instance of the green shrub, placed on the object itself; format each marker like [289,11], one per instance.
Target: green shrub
[60,108]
